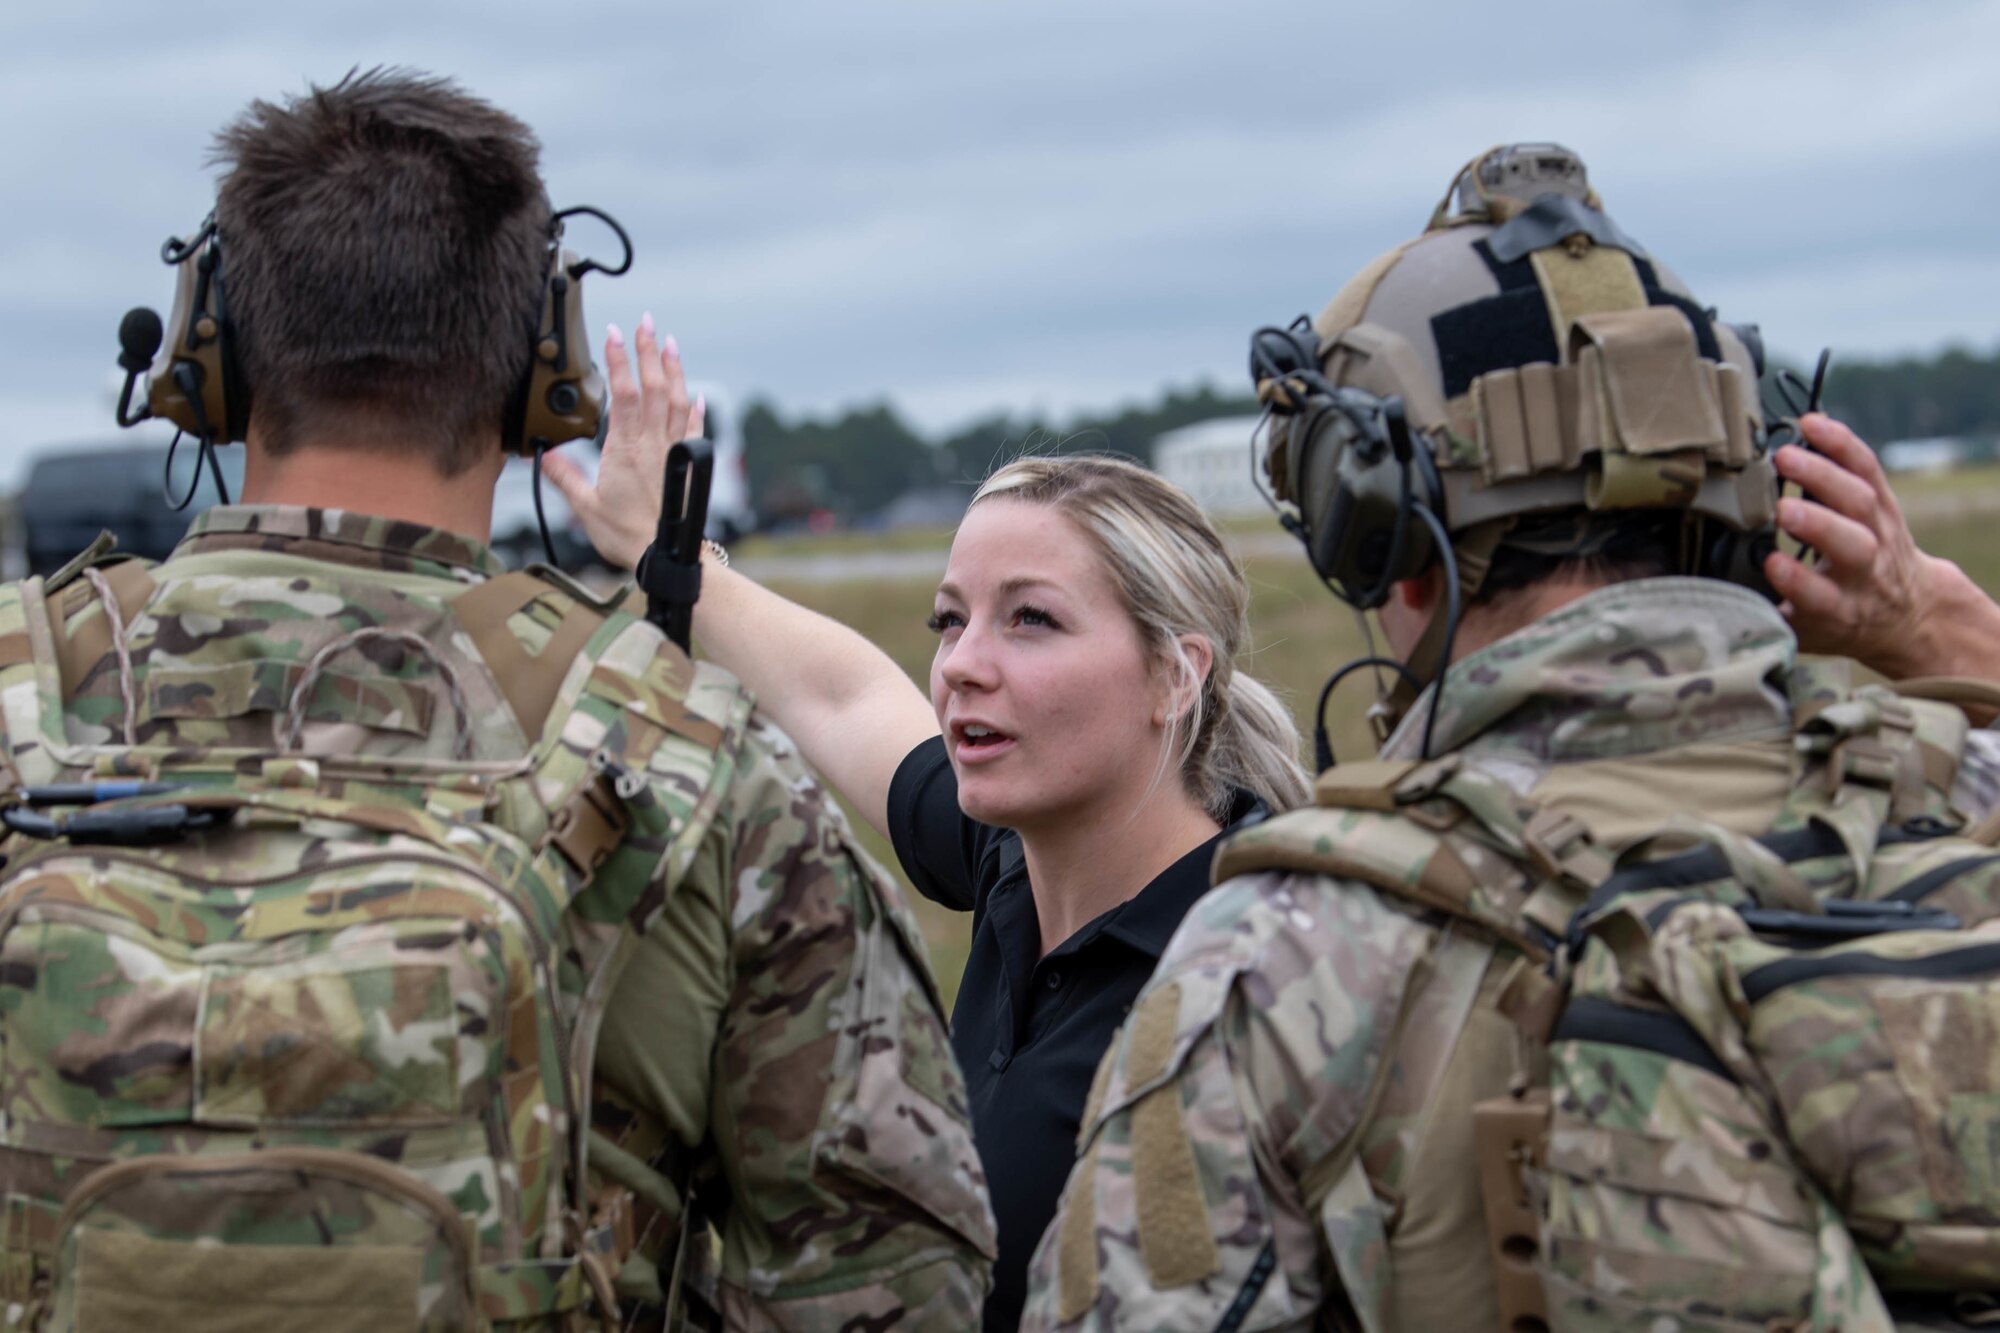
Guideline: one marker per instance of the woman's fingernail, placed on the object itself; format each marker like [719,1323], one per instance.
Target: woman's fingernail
[673,348]
[646,324]
[701,405]
[614,335]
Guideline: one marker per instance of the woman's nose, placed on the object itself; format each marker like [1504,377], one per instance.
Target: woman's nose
[966,662]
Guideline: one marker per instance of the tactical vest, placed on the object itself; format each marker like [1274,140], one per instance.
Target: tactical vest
[1540,1157]
[293,1040]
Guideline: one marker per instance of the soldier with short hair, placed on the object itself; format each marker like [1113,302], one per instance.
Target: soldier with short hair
[388,941]
[1452,1048]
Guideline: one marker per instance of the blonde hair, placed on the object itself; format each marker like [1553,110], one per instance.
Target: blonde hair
[1175,577]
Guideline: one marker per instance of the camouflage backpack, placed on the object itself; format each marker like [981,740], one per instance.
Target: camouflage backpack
[297,1041]
[1759,1079]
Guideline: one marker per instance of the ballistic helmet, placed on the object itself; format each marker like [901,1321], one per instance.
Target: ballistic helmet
[1522,357]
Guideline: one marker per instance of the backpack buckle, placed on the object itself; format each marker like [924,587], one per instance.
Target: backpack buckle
[1561,847]
[590,825]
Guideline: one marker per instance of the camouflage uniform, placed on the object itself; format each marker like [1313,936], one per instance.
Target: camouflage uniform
[775,1048]
[1284,997]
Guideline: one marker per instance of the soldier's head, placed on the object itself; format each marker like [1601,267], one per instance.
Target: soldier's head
[1523,401]
[387,248]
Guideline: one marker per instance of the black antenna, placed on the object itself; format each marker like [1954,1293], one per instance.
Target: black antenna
[670,570]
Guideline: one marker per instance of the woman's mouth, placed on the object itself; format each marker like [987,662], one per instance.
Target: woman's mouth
[975,742]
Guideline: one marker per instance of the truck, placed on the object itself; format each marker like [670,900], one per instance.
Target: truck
[73,492]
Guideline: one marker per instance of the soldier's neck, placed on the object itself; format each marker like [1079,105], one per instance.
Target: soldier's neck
[325,475]
[1485,625]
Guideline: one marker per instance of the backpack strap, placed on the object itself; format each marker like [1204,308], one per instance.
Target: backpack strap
[1980,698]
[129,582]
[529,682]
[1509,1136]
[1443,835]
[1873,759]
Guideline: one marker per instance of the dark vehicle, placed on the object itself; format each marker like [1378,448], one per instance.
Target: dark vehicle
[72,496]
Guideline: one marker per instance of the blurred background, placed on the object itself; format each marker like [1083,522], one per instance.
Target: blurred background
[900,242]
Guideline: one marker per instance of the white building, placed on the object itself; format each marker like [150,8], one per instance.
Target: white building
[1211,460]
[1937,454]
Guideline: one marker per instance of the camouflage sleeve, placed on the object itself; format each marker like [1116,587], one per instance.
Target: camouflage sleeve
[1247,1062]
[840,1116]
[1977,791]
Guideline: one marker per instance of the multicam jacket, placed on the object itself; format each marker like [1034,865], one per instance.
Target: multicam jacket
[1301,1020]
[773,1058]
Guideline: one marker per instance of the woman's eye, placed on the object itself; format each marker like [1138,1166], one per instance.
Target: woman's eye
[1034,615]
[940,621]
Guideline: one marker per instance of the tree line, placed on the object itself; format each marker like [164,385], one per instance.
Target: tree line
[862,459]
[1952,393]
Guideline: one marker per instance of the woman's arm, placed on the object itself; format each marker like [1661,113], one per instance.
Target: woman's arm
[849,707]
[852,712]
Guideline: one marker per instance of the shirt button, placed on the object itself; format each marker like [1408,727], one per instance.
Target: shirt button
[1055,981]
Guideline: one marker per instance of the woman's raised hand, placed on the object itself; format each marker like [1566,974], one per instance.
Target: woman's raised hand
[650,411]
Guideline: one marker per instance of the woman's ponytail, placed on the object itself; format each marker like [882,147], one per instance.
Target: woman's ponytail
[1255,746]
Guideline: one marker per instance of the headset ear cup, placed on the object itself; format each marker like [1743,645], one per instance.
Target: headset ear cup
[1356,509]
[196,339]
[235,419]
[563,398]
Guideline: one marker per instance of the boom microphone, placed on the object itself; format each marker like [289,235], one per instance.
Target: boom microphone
[139,335]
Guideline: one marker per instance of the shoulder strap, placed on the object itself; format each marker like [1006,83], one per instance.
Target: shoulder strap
[1979,700]
[662,721]
[1443,835]
[130,582]
[528,682]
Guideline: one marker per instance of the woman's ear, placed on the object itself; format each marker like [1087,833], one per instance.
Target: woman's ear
[1179,693]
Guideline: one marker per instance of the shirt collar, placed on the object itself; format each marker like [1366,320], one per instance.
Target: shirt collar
[1626,669]
[344,537]
[1147,922]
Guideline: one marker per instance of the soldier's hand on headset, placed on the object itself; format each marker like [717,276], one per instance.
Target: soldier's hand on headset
[650,411]
[1871,594]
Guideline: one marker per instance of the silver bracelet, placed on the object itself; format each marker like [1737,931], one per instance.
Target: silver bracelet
[716,552]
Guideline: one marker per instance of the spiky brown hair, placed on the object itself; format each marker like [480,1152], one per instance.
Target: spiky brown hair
[384,250]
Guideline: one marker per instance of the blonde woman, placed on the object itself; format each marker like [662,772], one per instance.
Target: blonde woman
[1087,740]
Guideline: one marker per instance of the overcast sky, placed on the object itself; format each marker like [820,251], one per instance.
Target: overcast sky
[1043,205]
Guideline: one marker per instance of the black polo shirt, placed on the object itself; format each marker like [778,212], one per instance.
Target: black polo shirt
[1030,1030]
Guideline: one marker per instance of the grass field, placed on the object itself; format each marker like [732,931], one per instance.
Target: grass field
[1299,634]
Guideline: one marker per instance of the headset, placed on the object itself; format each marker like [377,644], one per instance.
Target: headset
[1346,477]
[1360,495]
[194,376]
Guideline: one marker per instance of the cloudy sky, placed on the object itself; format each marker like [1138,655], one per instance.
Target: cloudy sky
[967,206]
